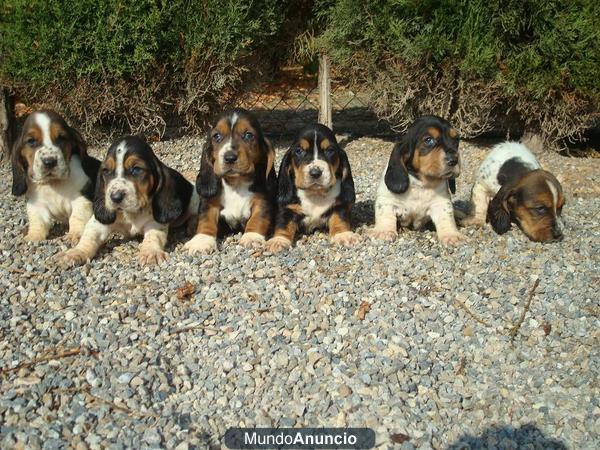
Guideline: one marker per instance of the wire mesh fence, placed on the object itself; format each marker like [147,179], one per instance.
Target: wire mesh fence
[290,100]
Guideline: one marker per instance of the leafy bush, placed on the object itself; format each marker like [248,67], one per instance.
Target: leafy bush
[531,62]
[135,62]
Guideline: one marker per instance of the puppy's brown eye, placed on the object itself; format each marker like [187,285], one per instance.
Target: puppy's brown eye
[32,142]
[59,139]
[540,209]
[298,151]
[106,171]
[429,141]
[247,136]
[217,137]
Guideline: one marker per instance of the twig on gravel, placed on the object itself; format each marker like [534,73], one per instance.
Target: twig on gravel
[49,356]
[517,326]
[85,390]
[470,313]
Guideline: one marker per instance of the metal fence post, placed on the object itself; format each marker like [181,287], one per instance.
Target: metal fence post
[324,90]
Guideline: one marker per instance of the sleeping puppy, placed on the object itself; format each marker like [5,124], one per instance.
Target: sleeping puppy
[416,182]
[520,192]
[237,183]
[136,194]
[315,189]
[51,167]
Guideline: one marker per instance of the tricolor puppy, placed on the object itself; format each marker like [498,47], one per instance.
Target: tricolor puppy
[417,181]
[51,167]
[237,183]
[315,189]
[136,194]
[512,187]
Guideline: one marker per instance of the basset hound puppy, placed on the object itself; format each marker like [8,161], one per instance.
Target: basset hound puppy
[315,189]
[51,167]
[136,194]
[237,183]
[416,184]
[512,187]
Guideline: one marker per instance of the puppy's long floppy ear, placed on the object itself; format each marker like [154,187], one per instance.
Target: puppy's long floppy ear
[286,186]
[102,214]
[207,182]
[396,175]
[347,193]
[172,196]
[452,185]
[498,214]
[90,165]
[19,171]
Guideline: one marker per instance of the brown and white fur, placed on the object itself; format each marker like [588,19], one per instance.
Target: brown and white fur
[315,189]
[136,194]
[415,186]
[236,183]
[512,187]
[51,167]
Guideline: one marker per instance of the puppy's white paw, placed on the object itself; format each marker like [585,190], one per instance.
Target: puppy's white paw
[346,238]
[73,237]
[35,236]
[277,244]
[152,256]
[385,235]
[252,240]
[472,221]
[201,244]
[452,239]
[71,258]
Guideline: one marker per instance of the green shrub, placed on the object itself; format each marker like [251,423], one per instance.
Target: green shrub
[533,61]
[136,62]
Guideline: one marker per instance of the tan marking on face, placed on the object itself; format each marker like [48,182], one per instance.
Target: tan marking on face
[325,144]
[304,144]
[338,225]
[248,153]
[295,207]
[57,131]
[145,184]
[434,132]
[453,133]
[28,152]
[110,163]
[430,166]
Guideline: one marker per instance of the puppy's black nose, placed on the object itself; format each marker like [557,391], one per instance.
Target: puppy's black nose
[49,162]
[452,160]
[117,196]
[230,157]
[557,235]
[315,172]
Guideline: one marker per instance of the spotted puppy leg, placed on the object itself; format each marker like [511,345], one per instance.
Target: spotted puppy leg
[479,205]
[386,223]
[286,227]
[205,240]
[340,229]
[155,239]
[258,224]
[442,215]
[39,223]
[94,236]
[81,211]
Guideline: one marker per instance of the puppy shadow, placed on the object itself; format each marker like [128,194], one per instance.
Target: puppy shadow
[363,213]
[508,437]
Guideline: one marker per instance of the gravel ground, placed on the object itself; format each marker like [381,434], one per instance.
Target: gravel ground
[411,339]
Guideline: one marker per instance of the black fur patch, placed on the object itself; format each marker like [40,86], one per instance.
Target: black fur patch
[512,170]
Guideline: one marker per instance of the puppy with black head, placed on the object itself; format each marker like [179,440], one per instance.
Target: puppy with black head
[51,167]
[416,184]
[236,183]
[315,189]
[512,187]
[136,194]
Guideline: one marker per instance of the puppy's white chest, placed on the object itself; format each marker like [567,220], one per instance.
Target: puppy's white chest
[314,206]
[237,203]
